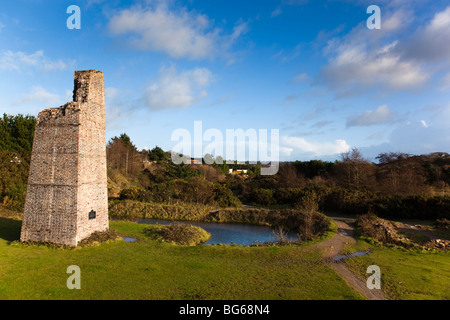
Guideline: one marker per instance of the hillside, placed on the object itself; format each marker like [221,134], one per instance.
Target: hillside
[399,185]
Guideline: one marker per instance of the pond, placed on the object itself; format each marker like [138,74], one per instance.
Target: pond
[229,233]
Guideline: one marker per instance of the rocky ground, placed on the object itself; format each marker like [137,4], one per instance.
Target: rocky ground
[406,234]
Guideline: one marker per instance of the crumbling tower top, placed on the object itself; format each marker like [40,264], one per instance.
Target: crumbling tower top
[89,87]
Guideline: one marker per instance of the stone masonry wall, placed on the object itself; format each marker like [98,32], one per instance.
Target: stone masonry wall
[92,180]
[67,177]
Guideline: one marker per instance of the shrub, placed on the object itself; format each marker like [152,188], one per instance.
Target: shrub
[98,237]
[442,224]
[131,194]
[128,209]
[264,197]
[224,197]
[412,207]
[312,222]
[287,195]
[348,201]
[181,234]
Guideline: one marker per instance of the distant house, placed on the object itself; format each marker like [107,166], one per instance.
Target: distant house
[240,171]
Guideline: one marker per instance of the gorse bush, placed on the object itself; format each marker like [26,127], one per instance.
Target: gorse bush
[193,190]
[129,209]
[224,197]
[14,169]
[412,207]
[264,197]
[180,234]
[132,194]
[17,133]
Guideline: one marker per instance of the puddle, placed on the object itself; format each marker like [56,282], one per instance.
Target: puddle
[128,239]
[346,256]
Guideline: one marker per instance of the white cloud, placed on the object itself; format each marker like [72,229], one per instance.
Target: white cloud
[322,124]
[178,90]
[424,123]
[177,32]
[301,77]
[276,12]
[68,95]
[371,117]
[111,93]
[358,65]
[300,145]
[418,136]
[376,136]
[396,57]
[238,31]
[445,82]
[285,151]
[432,41]
[119,108]
[397,21]
[19,61]
[38,95]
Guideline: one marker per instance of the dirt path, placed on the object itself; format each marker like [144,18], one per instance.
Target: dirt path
[334,246]
[409,226]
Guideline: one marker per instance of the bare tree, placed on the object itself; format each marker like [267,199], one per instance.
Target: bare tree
[289,176]
[357,172]
[400,174]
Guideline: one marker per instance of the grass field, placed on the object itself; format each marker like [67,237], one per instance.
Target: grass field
[406,274]
[148,269]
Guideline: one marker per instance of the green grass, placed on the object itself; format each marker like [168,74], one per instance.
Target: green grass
[148,269]
[406,274]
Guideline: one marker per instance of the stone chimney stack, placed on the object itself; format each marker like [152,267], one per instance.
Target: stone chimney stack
[67,198]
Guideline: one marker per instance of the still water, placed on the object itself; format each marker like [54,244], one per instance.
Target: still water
[229,233]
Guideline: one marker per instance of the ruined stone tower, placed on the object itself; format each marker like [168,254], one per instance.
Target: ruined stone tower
[67,198]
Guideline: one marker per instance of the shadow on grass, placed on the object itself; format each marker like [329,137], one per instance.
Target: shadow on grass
[10,229]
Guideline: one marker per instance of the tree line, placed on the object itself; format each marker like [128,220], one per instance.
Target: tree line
[399,184]
[16,142]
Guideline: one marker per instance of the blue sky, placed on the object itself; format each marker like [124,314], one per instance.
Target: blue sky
[311,69]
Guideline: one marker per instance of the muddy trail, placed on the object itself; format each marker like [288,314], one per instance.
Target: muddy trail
[334,246]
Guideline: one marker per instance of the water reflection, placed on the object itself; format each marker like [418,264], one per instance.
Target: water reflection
[346,256]
[229,233]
